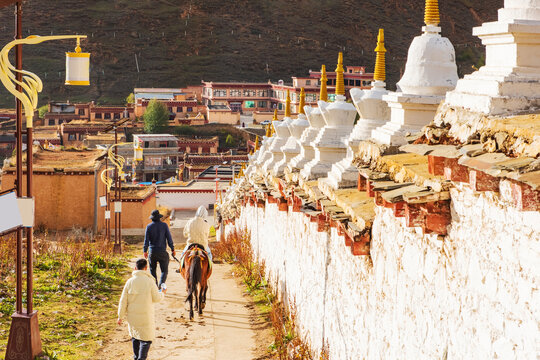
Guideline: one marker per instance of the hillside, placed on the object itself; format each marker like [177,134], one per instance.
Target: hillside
[179,42]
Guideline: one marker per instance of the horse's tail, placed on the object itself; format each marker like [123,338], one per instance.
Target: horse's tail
[195,274]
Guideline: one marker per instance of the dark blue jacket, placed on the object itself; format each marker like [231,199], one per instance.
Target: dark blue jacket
[157,236]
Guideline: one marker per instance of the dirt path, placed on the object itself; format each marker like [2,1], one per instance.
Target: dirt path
[228,329]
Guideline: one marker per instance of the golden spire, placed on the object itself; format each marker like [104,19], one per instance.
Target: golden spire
[380,62]
[431,15]
[323,94]
[269,130]
[302,101]
[288,105]
[340,83]
[275,118]
[256,143]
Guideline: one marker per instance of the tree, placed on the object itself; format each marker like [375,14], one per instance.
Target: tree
[43,110]
[130,99]
[230,141]
[156,117]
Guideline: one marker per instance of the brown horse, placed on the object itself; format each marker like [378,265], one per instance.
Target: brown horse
[196,271]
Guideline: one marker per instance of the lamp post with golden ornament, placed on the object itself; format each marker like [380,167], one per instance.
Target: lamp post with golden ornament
[24,339]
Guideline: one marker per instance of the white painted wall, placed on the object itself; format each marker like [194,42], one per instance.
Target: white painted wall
[184,201]
[471,295]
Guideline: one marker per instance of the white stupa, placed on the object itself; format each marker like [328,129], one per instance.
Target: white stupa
[283,134]
[430,72]
[510,80]
[330,146]
[292,148]
[374,112]
[316,123]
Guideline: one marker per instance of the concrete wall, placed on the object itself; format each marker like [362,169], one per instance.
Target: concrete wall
[470,295]
[185,200]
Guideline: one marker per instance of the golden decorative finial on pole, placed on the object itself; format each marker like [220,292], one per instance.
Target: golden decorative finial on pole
[380,62]
[340,83]
[323,94]
[256,143]
[275,118]
[431,15]
[302,101]
[288,105]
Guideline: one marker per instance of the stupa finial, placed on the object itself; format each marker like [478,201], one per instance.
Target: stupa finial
[431,14]
[288,105]
[380,62]
[323,96]
[340,83]
[302,101]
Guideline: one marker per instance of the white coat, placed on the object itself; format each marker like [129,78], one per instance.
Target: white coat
[196,231]
[137,305]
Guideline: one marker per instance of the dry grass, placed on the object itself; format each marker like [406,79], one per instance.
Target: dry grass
[77,282]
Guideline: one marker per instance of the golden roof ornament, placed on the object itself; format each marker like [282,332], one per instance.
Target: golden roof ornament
[288,105]
[380,62]
[340,83]
[302,101]
[324,93]
[431,15]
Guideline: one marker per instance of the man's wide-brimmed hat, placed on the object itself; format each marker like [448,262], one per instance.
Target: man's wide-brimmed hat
[156,215]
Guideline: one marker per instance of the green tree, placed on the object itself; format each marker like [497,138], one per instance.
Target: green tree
[130,99]
[229,141]
[156,117]
[43,110]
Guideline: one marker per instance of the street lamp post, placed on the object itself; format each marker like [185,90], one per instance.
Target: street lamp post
[24,339]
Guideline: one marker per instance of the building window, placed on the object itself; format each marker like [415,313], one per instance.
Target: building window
[81,137]
[262,104]
[146,144]
[262,93]
[249,93]
[162,144]
[235,92]
[179,109]
[308,82]
[81,111]
[60,121]
[220,93]
[249,104]
[51,121]
[72,137]
[189,109]
[117,115]
[98,115]
[358,82]
[107,116]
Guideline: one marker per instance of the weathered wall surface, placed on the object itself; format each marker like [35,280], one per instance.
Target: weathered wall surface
[136,214]
[185,200]
[471,294]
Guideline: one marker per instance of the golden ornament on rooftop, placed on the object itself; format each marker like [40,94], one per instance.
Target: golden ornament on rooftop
[288,105]
[324,93]
[302,101]
[431,15]
[380,62]
[340,83]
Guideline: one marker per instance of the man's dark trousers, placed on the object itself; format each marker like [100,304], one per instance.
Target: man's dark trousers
[161,257]
[140,349]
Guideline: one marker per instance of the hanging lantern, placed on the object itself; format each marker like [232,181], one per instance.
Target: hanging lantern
[138,153]
[77,66]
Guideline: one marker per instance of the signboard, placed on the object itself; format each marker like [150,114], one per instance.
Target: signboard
[117,207]
[26,209]
[103,201]
[107,214]
[10,217]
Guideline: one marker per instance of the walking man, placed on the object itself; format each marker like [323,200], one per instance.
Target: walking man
[156,238]
[137,307]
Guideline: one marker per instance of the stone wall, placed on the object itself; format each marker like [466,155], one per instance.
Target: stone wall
[471,294]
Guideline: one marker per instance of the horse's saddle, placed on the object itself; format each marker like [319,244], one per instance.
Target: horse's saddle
[190,248]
